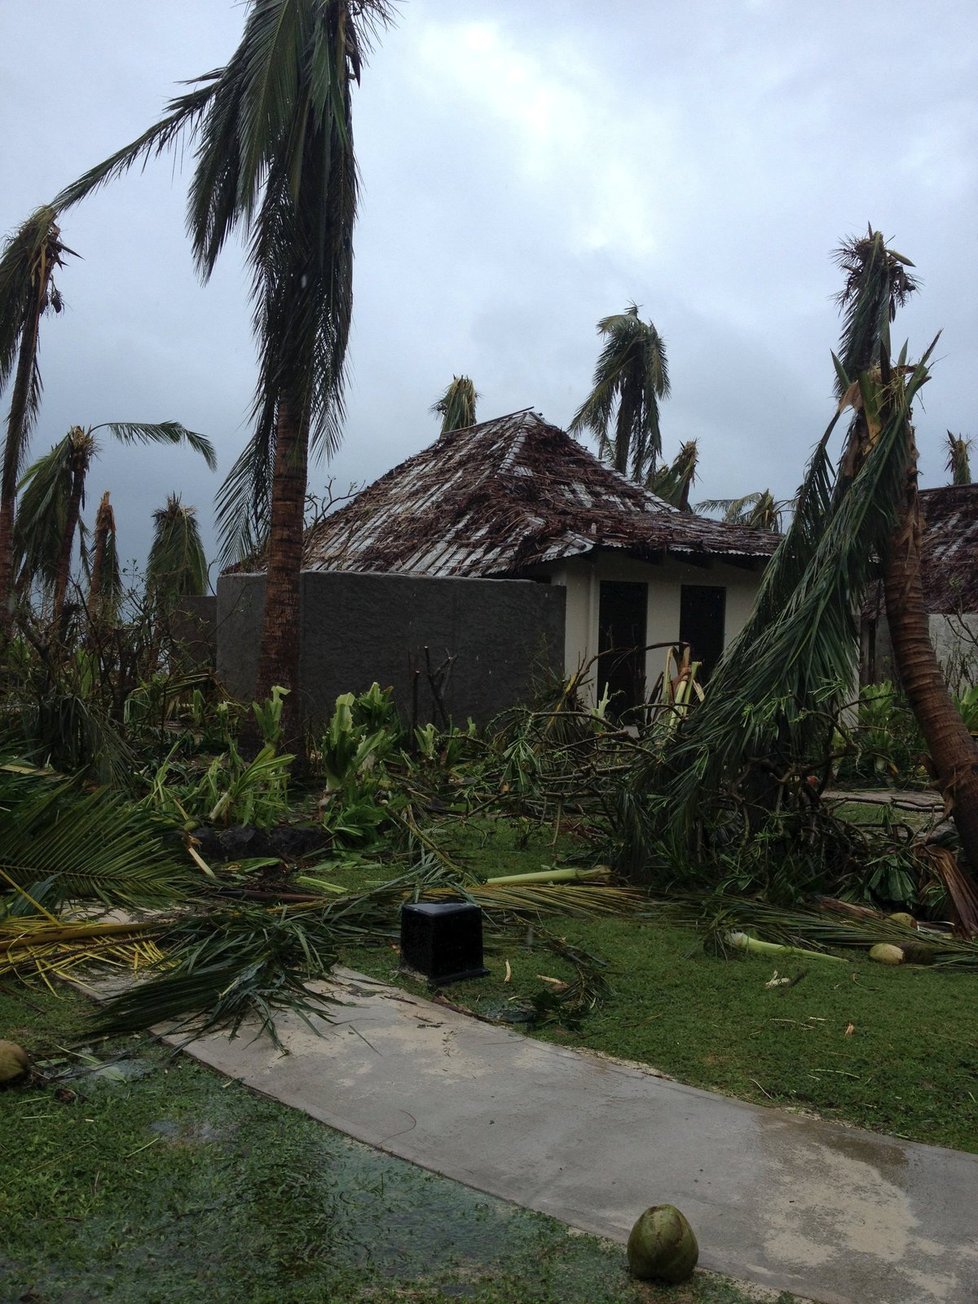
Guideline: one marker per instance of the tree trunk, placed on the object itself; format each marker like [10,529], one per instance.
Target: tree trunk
[279,652]
[63,573]
[951,746]
[6,562]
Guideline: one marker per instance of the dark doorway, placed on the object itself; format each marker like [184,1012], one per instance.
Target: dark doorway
[621,644]
[702,617]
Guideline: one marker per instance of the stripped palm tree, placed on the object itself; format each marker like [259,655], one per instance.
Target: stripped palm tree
[177,565]
[773,698]
[27,290]
[54,495]
[274,158]
[630,378]
[673,482]
[759,510]
[105,582]
[456,407]
[958,458]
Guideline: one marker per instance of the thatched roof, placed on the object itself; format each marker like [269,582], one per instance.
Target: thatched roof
[501,497]
[949,555]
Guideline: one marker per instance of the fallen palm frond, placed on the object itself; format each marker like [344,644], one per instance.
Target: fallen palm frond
[718,915]
[44,947]
[225,964]
[58,844]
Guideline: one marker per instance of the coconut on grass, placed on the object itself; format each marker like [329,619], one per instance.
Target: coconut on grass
[886,953]
[14,1061]
[662,1246]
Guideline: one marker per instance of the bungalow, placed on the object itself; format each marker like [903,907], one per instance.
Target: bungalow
[402,584]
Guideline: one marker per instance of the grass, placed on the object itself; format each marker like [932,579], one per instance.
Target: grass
[892,1050]
[145,1178]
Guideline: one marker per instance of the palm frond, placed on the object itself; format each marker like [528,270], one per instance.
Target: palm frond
[161,432]
[87,846]
[183,114]
[45,947]
[229,964]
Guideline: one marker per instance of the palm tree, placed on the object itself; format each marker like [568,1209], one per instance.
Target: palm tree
[27,290]
[274,157]
[105,583]
[54,494]
[958,459]
[631,375]
[674,482]
[177,565]
[759,510]
[456,407]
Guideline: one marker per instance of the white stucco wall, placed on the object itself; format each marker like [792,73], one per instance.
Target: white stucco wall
[582,579]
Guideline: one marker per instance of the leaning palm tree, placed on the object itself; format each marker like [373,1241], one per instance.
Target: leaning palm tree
[27,290]
[274,158]
[177,565]
[769,710]
[673,482]
[958,458]
[456,407]
[630,378]
[54,495]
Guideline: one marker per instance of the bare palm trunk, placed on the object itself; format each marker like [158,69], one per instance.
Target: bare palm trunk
[11,457]
[951,746]
[279,655]
[63,573]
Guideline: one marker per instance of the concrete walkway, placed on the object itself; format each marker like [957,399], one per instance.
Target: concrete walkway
[826,1211]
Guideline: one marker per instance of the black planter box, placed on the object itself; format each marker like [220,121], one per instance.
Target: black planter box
[442,940]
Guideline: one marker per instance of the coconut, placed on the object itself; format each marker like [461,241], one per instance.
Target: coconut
[901,917]
[662,1246]
[14,1061]
[886,953]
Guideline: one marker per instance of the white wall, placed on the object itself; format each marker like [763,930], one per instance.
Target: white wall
[582,577]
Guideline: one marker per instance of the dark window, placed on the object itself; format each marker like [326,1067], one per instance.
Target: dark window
[621,643]
[702,617]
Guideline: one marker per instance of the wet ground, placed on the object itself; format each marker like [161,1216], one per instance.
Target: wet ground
[826,1211]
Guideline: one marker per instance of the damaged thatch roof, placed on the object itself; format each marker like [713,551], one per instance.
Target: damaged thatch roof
[498,498]
[949,555]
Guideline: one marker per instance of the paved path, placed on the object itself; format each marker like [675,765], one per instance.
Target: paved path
[828,1212]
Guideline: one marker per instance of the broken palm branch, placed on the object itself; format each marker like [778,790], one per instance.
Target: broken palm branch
[719,915]
[44,947]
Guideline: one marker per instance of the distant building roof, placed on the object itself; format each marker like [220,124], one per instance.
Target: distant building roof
[949,552]
[509,494]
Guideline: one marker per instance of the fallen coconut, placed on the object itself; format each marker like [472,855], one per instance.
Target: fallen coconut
[901,917]
[886,953]
[14,1061]
[662,1246]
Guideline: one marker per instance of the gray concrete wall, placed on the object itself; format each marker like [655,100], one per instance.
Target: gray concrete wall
[486,640]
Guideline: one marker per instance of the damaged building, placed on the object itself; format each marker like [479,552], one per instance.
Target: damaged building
[501,554]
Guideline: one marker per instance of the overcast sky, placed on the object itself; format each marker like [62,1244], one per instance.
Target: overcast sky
[529,166]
